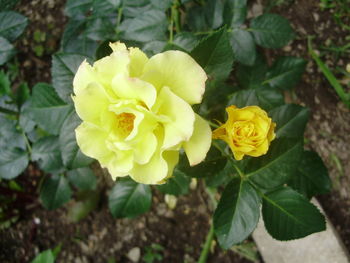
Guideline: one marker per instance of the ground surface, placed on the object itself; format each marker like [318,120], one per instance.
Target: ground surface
[181,232]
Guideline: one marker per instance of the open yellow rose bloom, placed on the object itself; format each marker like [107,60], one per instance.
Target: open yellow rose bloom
[248,131]
[137,113]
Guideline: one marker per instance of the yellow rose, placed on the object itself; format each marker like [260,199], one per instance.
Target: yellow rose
[248,131]
[137,113]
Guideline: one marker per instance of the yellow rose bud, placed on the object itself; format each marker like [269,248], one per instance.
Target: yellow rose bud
[248,131]
[137,113]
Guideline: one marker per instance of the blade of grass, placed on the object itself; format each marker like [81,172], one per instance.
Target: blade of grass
[345,97]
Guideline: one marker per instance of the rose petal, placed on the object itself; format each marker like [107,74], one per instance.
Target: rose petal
[82,102]
[197,147]
[181,115]
[132,88]
[178,71]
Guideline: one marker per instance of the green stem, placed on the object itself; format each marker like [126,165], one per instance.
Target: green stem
[177,17]
[6,111]
[29,148]
[119,19]
[207,245]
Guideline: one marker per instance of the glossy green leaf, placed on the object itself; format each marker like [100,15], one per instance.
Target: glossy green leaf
[186,40]
[87,202]
[289,215]
[55,192]
[235,12]
[129,199]
[275,168]
[100,28]
[161,4]
[147,26]
[266,98]
[75,8]
[72,156]
[222,177]
[12,24]
[212,164]
[44,257]
[285,73]
[177,185]
[46,151]
[6,50]
[132,9]
[75,40]
[13,161]
[8,4]
[5,85]
[83,178]
[291,120]
[252,77]
[237,213]
[215,55]
[47,109]
[64,67]
[213,12]
[10,134]
[105,8]
[243,46]
[312,177]
[22,94]
[271,31]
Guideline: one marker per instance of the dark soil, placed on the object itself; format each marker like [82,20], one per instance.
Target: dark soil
[182,231]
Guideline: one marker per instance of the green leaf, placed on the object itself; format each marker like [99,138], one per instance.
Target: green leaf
[312,176]
[22,94]
[88,201]
[13,162]
[47,109]
[105,8]
[235,12]
[64,67]
[288,215]
[10,135]
[6,50]
[177,185]
[5,85]
[44,257]
[55,192]
[271,31]
[161,4]
[212,164]
[129,199]
[12,24]
[252,77]
[285,73]
[237,213]
[103,50]
[276,167]
[75,40]
[291,120]
[83,178]
[147,26]
[243,46]
[46,151]
[8,4]
[186,40]
[266,98]
[100,28]
[221,178]
[215,55]
[72,156]
[154,47]
[76,8]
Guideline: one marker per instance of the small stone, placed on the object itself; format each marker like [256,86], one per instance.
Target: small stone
[171,201]
[134,254]
[316,17]
[287,48]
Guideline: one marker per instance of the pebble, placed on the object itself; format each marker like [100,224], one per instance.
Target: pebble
[134,254]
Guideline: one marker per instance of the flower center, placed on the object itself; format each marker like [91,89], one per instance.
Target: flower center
[125,123]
